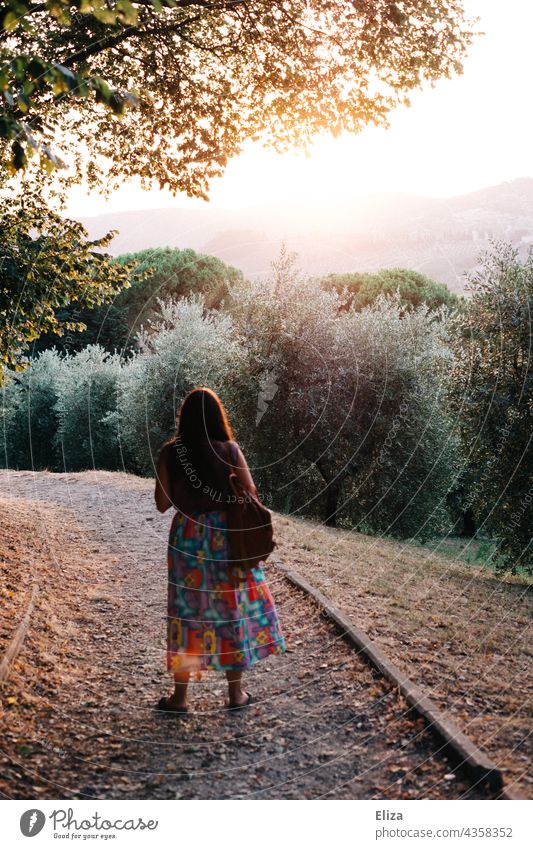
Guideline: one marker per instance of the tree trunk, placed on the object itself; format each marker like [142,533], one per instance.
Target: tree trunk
[332,489]
[332,501]
[469,524]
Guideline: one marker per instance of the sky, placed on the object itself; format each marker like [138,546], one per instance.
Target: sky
[466,133]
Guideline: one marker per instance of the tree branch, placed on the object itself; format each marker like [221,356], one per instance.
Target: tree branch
[111,41]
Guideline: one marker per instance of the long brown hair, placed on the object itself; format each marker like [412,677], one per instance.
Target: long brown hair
[201,421]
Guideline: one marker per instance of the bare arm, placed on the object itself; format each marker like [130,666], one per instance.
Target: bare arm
[162,482]
[243,472]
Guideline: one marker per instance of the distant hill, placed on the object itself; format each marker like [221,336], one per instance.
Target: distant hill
[440,237]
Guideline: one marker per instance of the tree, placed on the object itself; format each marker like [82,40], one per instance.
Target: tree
[493,399]
[28,414]
[46,263]
[343,412]
[407,452]
[86,409]
[28,78]
[160,274]
[202,77]
[187,346]
[361,289]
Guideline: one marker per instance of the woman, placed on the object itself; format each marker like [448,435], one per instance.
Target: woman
[220,615]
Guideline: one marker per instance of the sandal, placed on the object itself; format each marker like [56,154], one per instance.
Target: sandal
[163,704]
[246,704]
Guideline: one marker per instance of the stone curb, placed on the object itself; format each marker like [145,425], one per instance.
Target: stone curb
[18,638]
[463,751]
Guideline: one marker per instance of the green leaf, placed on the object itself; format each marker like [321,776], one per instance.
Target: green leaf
[47,164]
[36,67]
[10,21]
[101,90]
[128,13]
[23,103]
[58,10]
[8,127]
[105,16]
[59,86]
[68,76]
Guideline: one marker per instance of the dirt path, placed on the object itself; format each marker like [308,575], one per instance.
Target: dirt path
[78,718]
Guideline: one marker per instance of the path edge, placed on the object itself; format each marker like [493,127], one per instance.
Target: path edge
[18,638]
[469,757]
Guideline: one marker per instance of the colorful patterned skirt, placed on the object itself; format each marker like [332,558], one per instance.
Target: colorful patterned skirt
[219,615]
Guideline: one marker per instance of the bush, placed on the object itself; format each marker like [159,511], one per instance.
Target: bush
[351,421]
[29,414]
[87,435]
[186,347]
[493,399]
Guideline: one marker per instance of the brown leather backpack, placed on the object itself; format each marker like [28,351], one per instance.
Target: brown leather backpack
[251,536]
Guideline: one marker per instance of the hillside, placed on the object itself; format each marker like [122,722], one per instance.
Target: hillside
[458,631]
[440,237]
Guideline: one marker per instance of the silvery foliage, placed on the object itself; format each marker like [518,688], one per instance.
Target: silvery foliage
[286,327]
[406,455]
[186,347]
[332,407]
[28,416]
[358,407]
[87,398]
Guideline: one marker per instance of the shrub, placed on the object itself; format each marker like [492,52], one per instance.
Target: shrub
[493,399]
[353,425]
[186,347]
[29,414]
[87,398]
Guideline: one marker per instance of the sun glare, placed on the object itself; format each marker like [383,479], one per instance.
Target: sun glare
[453,139]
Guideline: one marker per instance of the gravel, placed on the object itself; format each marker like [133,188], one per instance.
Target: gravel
[78,708]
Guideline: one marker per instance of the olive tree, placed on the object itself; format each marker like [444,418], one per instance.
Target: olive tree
[186,347]
[493,399]
[345,412]
[86,435]
[406,457]
[28,413]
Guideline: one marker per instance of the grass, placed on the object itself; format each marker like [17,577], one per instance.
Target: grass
[455,626]
[475,552]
